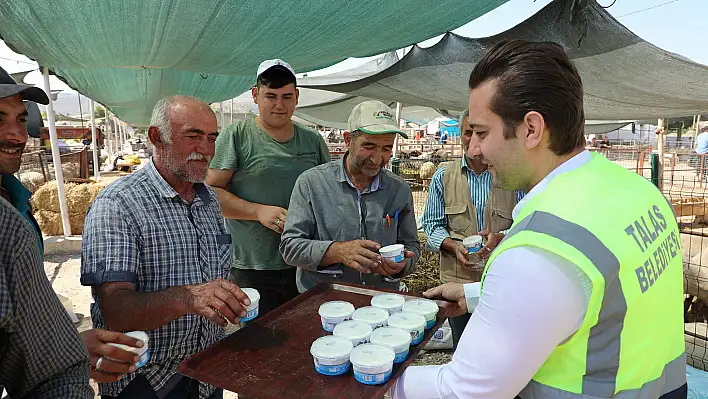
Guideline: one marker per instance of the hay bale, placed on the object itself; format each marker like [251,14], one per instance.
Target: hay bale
[51,225]
[428,273]
[78,199]
[46,198]
[80,196]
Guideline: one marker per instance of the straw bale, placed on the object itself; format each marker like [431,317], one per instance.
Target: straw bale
[427,274]
[50,222]
[46,197]
[80,196]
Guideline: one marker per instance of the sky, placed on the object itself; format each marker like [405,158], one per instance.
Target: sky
[669,24]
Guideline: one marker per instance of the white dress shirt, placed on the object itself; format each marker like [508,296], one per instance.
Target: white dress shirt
[515,325]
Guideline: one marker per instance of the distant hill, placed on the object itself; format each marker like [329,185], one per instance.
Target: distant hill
[67,103]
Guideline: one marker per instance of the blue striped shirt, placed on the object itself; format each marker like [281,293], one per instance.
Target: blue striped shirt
[434,219]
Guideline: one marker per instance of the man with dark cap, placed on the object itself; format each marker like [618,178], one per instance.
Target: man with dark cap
[42,354]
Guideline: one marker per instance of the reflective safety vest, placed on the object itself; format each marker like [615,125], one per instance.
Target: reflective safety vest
[631,342]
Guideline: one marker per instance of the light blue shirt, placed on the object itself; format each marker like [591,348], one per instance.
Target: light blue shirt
[434,219]
[702,143]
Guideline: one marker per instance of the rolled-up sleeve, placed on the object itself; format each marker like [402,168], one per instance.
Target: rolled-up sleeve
[298,243]
[434,220]
[408,235]
[110,248]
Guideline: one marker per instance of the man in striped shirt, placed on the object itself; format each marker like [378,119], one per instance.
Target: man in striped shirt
[463,202]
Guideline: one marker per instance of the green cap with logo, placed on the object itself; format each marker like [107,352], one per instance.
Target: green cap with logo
[374,117]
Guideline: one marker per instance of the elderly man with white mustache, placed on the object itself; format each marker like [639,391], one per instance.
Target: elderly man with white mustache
[156,255]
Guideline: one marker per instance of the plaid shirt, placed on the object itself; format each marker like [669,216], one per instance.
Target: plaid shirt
[41,355]
[139,230]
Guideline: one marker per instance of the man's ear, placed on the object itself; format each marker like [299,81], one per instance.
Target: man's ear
[254,94]
[534,129]
[154,135]
[347,138]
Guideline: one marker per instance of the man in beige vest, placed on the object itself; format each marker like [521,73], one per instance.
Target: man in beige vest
[462,202]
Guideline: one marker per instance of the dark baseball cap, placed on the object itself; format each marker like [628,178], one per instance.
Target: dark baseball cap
[9,88]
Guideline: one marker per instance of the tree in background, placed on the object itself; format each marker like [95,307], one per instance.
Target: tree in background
[100,112]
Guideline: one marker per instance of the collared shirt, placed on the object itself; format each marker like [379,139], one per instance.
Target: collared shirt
[510,356]
[41,356]
[20,200]
[326,207]
[139,230]
[434,219]
[702,143]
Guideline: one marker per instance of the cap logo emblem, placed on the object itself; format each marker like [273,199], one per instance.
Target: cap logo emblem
[383,115]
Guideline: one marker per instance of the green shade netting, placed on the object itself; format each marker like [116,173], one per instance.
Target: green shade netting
[624,77]
[126,54]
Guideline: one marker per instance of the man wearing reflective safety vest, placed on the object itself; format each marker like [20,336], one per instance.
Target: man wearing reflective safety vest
[571,305]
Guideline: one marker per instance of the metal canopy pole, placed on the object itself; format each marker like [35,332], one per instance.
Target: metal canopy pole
[96,168]
[399,109]
[221,109]
[56,158]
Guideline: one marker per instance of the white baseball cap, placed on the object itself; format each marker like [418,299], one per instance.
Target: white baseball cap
[267,64]
[374,117]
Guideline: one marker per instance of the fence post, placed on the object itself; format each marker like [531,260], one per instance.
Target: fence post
[655,170]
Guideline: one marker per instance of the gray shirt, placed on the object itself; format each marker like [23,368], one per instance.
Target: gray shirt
[41,354]
[326,207]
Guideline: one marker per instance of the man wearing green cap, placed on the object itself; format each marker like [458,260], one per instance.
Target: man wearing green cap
[341,213]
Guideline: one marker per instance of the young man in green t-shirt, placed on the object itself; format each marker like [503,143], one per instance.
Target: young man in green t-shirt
[253,173]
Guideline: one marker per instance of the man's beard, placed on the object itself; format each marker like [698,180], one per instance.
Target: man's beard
[181,168]
[367,170]
[11,167]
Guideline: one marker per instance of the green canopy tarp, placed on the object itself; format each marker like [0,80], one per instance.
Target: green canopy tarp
[126,54]
[624,76]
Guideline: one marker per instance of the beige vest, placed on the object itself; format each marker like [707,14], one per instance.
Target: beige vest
[462,218]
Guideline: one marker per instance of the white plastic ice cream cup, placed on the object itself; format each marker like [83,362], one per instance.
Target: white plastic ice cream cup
[411,322]
[473,244]
[355,331]
[392,303]
[252,309]
[374,317]
[331,355]
[393,252]
[423,307]
[143,353]
[397,339]
[335,312]
[372,363]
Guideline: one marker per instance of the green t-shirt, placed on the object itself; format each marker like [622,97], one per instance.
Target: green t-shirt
[265,171]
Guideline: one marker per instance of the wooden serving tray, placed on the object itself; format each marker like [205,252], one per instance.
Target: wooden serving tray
[270,357]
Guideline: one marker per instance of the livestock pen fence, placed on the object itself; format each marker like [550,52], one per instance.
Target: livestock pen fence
[37,166]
